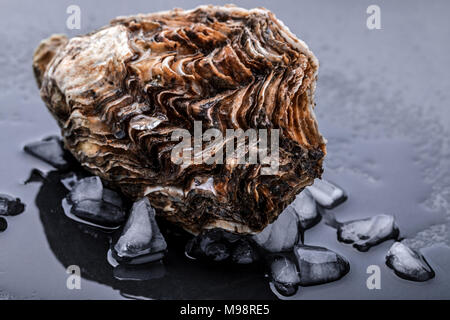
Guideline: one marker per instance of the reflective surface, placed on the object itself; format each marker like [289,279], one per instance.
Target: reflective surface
[382,103]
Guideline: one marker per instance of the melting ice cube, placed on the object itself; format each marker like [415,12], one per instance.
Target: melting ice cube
[217,251]
[141,240]
[327,194]
[284,275]
[89,188]
[98,212]
[214,244]
[319,265]
[366,233]
[281,235]
[243,253]
[408,264]
[305,208]
[50,150]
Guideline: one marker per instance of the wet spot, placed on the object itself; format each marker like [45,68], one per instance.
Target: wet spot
[408,263]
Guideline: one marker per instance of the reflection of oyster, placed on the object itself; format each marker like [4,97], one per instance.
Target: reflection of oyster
[192,280]
[120,92]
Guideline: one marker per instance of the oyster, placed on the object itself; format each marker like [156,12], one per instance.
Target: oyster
[120,92]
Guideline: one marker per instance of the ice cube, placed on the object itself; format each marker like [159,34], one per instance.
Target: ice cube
[208,237]
[89,188]
[141,237]
[50,150]
[10,206]
[327,194]
[98,212]
[366,233]
[243,253]
[319,265]
[284,275]
[213,244]
[217,251]
[408,264]
[305,208]
[281,235]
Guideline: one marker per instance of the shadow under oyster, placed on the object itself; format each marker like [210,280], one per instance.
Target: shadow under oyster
[120,92]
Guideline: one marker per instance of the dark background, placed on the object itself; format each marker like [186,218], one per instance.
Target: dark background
[382,102]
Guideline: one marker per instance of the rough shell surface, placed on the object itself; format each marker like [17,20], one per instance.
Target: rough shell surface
[118,94]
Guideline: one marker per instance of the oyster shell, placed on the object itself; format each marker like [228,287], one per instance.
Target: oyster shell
[118,94]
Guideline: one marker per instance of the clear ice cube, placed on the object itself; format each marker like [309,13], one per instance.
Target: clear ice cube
[366,233]
[319,265]
[281,235]
[141,235]
[89,188]
[408,263]
[305,208]
[327,194]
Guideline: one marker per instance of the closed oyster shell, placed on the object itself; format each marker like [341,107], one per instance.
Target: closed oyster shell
[118,94]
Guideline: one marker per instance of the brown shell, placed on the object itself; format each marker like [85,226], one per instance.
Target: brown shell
[119,93]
